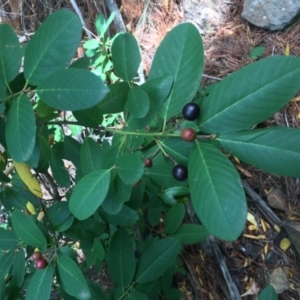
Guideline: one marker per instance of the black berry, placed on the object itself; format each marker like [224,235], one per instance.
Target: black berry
[191,111]
[188,134]
[180,172]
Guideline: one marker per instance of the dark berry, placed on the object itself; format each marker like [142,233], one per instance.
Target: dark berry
[41,263]
[191,111]
[188,134]
[180,172]
[36,255]
[148,163]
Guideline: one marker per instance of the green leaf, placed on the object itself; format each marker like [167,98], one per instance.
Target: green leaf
[18,270]
[58,213]
[59,172]
[173,294]
[158,90]
[126,56]
[130,168]
[72,278]
[178,149]
[72,150]
[216,191]
[97,253]
[191,234]
[174,218]
[89,194]
[34,158]
[2,94]
[135,295]
[114,101]
[20,129]
[121,260]
[2,288]
[90,156]
[90,117]
[118,193]
[6,262]
[8,239]
[268,293]
[126,216]
[138,102]
[81,63]
[72,89]
[27,230]
[275,150]
[10,54]
[45,149]
[179,55]
[4,178]
[52,46]
[153,215]
[40,284]
[157,259]
[43,110]
[238,103]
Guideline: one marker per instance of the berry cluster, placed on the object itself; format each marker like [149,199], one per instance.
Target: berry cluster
[40,262]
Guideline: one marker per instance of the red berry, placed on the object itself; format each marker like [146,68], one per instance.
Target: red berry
[188,134]
[36,255]
[148,163]
[191,111]
[180,172]
[41,263]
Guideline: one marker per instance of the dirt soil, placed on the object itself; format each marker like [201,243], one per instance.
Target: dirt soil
[258,254]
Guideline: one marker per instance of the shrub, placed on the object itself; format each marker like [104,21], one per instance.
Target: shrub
[107,205]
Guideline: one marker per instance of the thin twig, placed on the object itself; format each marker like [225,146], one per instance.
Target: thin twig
[261,204]
[211,77]
[232,288]
[78,12]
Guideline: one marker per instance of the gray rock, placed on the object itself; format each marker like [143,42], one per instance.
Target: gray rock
[270,14]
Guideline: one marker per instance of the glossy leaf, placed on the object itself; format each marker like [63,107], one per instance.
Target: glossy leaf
[179,55]
[2,95]
[275,150]
[178,149]
[238,103]
[158,90]
[174,218]
[58,213]
[40,284]
[72,89]
[18,270]
[72,151]
[27,230]
[191,234]
[136,295]
[130,168]
[43,110]
[157,259]
[59,172]
[10,54]
[138,102]
[52,46]
[72,278]
[268,293]
[121,260]
[118,193]
[126,216]
[89,194]
[4,178]
[90,117]
[8,239]
[216,191]
[90,156]
[20,129]
[126,56]
[44,148]
[6,262]
[115,99]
